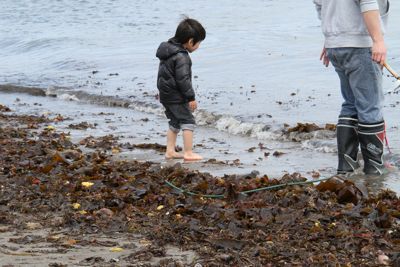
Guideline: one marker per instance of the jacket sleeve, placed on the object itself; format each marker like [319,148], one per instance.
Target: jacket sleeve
[368,5]
[318,6]
[183,76]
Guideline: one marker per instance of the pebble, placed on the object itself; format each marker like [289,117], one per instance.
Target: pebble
[33,226]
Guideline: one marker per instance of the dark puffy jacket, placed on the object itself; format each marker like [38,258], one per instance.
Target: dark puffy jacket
[174,79]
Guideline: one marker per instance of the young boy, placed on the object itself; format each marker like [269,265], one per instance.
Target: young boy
[174,83]
[355,46]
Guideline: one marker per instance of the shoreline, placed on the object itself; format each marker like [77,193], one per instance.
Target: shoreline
[224,153]
[87,192]
[266,131]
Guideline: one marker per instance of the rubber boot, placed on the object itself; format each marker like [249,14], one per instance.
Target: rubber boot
[372,137]
[347,142]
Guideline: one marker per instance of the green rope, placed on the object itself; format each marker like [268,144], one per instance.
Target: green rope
[283,185]
[245,193]
[192,193]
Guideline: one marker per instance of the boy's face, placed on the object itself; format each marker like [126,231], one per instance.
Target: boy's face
[190,46]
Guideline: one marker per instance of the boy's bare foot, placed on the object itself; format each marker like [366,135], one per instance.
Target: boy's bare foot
[173,155]
[192,157]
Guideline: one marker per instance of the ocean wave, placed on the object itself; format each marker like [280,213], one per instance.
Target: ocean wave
[27,46]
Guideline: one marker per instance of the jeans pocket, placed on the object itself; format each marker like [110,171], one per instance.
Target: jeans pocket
[357,58]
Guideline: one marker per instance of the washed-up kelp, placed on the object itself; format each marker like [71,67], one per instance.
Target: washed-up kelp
[333,224]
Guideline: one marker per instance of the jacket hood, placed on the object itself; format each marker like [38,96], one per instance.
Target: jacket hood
[168,49]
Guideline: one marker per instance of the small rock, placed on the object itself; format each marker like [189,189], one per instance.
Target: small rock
[58,221]
[33,226]
[251,149]
[226,257]
[277,154]
[4,229]
[105,213]
[4,108]
[383,259]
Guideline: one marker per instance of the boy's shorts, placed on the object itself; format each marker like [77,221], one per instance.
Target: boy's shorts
[180,117]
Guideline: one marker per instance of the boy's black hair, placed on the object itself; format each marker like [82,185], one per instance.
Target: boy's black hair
[188,29]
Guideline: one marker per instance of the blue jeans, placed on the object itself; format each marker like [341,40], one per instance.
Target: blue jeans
[360,82]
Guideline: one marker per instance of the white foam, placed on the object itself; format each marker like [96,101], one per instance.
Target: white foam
[68,97]
[235,126]
[324,146]
[146,108]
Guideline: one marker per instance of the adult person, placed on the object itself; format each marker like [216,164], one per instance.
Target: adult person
[354,44]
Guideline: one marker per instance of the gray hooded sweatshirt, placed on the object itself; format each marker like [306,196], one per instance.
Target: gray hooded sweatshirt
[343,23]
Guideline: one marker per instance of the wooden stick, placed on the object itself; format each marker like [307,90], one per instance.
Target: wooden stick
[386,65]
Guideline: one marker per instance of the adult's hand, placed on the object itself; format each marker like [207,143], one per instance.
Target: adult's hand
[324,57]
[379,52]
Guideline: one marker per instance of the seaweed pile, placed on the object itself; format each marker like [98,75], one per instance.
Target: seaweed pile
[47,178]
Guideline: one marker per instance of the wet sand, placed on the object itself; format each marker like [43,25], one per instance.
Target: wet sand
[46,247]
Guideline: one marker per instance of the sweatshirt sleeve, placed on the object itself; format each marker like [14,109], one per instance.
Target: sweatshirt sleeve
[368,5]
[318,6]
[383,7]
[183,76]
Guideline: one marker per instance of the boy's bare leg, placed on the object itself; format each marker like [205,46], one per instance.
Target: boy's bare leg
[188,147]
[171,143]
